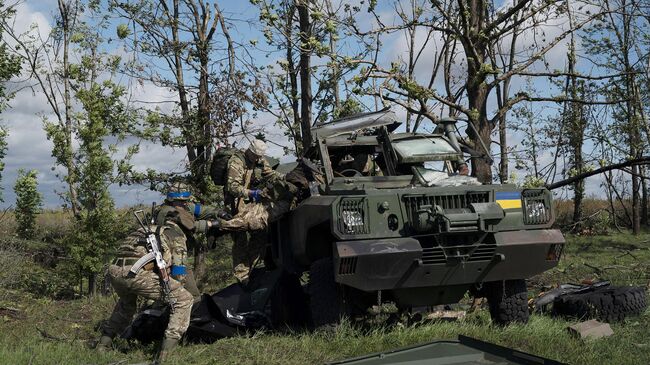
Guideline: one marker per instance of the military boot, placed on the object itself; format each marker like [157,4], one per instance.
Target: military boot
[105,344]
[165,349]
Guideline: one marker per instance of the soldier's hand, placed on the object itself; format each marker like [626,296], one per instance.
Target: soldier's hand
[223,214]
[214,224]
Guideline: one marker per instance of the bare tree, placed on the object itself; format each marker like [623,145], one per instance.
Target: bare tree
[482,39]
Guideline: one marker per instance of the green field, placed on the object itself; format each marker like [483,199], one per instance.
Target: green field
[44,331]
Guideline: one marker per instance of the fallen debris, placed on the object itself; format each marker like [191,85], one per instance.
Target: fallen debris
[12,313]
[447,315]
[591,329]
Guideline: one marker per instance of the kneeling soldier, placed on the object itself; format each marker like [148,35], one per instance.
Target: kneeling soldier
[150,283]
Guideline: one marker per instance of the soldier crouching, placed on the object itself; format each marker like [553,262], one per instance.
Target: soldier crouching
[146,283]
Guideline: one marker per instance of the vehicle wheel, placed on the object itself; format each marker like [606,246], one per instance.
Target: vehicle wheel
[508,301]
[288,303]
[326,297]
[609,304]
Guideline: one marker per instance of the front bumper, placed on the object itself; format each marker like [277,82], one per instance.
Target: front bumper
[402,262]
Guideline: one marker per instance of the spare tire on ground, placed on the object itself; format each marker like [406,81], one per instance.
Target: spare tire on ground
[608,304]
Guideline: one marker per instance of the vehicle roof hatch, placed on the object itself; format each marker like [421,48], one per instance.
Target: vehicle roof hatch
[356,122]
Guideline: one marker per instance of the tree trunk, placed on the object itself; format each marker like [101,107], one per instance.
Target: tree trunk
[71,179]
[481,168]
[92,284]
[293,80]
[180,85]
[644,197]
[305,73]
[503,150]
[476,51]
[636,211]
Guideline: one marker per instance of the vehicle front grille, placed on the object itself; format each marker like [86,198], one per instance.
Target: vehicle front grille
[413,203]
[456,201]
[483,253]
[433,255]
[352,216]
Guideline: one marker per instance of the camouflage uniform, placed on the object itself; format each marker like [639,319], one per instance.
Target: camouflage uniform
[146,283]
[247,172]
[191,217]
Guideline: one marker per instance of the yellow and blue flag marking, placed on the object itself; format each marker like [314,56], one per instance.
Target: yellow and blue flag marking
[508,199]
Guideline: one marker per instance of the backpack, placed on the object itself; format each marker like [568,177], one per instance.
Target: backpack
[219,167]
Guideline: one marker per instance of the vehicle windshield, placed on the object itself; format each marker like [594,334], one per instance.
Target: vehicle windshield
[429,177]
[424,148]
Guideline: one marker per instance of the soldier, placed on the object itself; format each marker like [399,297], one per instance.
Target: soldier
[191,217]
[245,175]
[146,284]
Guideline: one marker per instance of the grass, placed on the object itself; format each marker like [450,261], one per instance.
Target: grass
[59,332]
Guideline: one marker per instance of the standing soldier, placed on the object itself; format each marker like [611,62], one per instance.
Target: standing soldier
[245,174]
[147,283]
[191,217]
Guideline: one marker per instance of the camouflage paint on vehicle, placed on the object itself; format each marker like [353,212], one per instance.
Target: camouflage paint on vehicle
[419,244]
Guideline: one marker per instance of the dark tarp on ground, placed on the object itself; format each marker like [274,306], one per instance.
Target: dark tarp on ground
[272,299]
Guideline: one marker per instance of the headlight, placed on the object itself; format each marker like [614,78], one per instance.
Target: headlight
[535,210]
[351,216]
[536,207]
[352,219]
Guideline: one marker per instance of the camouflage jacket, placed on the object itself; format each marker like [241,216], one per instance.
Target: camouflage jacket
[191,216]
[238,169]
[171,239]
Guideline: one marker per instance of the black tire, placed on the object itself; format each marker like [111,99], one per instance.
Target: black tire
[608,304]
[326,297]
[288,303]
[508,301]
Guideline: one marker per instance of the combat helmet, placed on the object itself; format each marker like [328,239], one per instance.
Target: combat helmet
[178,191]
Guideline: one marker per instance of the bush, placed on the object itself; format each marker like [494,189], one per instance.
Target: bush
[28,203]
[29,276]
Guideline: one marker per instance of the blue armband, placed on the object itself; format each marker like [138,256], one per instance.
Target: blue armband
[178,270]
[181,195]
[197,210]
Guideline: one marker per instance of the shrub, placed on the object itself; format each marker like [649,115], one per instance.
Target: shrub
[28,203]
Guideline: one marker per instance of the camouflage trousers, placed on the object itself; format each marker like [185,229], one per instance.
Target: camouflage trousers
[146,284]
[248,250]
[249,234]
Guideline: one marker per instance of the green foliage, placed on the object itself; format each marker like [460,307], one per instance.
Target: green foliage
[349,107]
[95,234]
[28,203]
[9,63]
[123,31]
[531,181]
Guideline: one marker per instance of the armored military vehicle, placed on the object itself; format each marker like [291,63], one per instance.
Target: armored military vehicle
[394,222]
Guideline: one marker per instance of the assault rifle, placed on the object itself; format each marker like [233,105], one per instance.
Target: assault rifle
[155,254]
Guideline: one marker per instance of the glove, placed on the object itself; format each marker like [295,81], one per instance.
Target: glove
[214,224]
[223,214]
[255,195]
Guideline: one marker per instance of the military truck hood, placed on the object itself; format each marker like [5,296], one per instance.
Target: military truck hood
[464,351]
